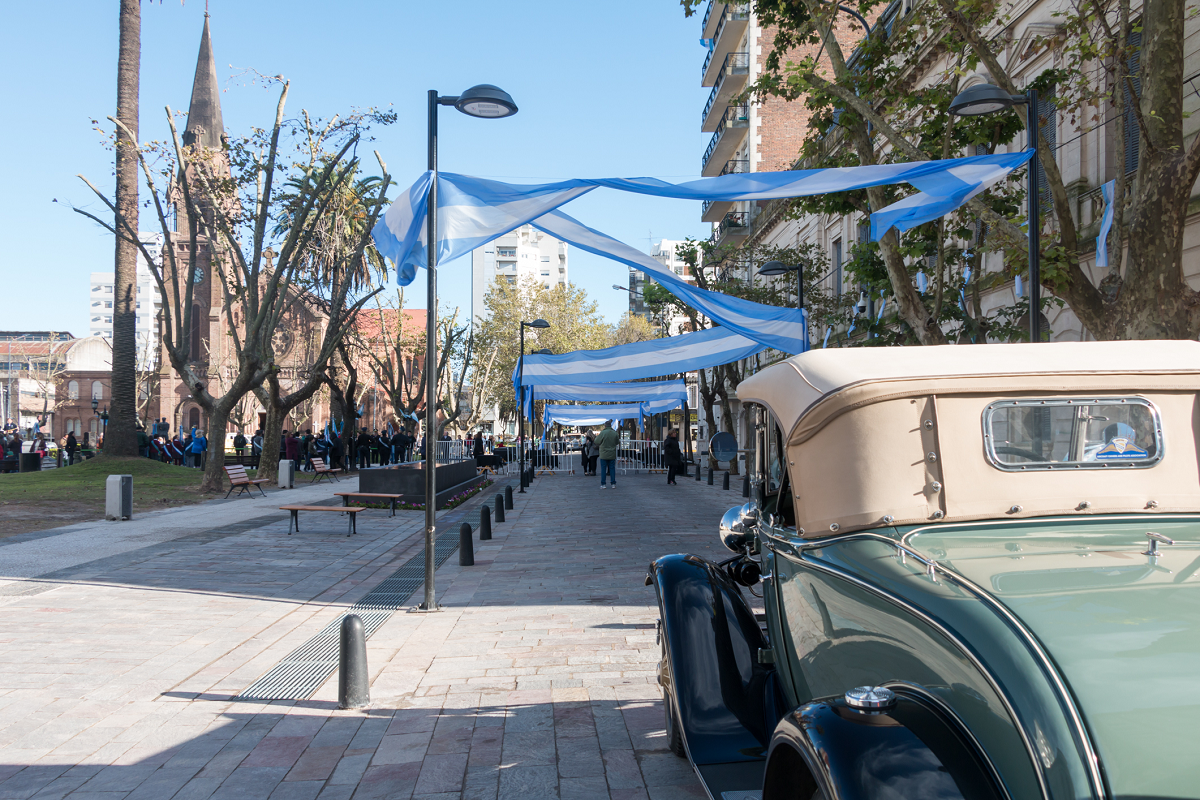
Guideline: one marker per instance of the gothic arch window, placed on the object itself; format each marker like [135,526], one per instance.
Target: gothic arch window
[97,390]
[73,390]
[193,418]
[195,355]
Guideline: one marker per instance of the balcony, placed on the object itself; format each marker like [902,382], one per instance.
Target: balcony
[733,229]
[731,130]
[712,16]
[731,24]
[715,210]
[730,80]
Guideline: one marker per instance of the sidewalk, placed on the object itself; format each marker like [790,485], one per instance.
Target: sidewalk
[536,680]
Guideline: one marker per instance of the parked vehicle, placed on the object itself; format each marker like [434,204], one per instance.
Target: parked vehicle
[980,574]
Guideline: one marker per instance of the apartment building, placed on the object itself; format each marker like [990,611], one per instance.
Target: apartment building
[523,253]
[149,303]
[665,252]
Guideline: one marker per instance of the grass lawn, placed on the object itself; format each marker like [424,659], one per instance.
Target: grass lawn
[37,500]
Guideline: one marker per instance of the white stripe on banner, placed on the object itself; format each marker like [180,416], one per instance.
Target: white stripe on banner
[596,415]
[644,391]
[650,359]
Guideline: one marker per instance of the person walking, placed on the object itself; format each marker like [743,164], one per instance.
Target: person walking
[291,446]
[364,449]
[672,455]
[239,445]
[477,445]
[72,446]
[606,447]
[590,453]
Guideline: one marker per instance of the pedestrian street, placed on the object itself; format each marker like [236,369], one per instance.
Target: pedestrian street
[536,679]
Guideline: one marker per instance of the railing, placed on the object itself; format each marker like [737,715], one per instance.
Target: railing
[708,13]
[736,166]
[453,450]
[741,12]
[640,455]
[732,115]
[732,61]
[734,219]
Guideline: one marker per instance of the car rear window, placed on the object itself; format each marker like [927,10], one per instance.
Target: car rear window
[1072,433]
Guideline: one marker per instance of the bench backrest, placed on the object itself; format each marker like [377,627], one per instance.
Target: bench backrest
[319,464]
[237,474]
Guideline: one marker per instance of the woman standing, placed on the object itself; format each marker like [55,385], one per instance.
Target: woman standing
[672,455]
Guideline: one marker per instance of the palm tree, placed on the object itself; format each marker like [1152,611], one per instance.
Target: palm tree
[121,438]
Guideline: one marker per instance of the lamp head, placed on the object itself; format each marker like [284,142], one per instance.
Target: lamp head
[983,98]
[486,100]
[620,288]
[95,404]
[775,268]
[538,323]
[545,351]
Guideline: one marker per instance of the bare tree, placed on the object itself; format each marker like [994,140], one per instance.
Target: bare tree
[228,196]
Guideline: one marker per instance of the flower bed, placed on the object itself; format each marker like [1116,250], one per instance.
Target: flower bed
[453,502]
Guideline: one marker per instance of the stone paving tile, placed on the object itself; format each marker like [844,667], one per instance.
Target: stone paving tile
[536,680]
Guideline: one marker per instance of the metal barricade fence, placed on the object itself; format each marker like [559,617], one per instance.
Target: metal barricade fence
[453,450]
[640,455]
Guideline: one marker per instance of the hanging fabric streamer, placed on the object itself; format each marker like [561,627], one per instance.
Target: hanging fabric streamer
[922,281]
[1106,222]
[642,391]
[828,331]
[882,306]
[1018,286]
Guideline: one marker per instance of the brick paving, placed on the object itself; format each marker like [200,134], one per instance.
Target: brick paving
[535,680]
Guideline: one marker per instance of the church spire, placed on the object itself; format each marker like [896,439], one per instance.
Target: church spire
[204,124]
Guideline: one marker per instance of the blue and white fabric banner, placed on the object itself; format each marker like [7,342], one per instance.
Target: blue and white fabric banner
[650,359]
[645,391]
[597,415]
[1106,222]
[474,211]
[774,326]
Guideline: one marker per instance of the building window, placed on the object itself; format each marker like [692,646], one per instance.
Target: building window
[108,289]
[837,266]
[97,390]
[73,390]
[506,252]
[193,418]
[546,259]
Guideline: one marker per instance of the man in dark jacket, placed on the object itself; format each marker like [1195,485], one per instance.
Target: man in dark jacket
[72,446]
[364,449]
[672,455]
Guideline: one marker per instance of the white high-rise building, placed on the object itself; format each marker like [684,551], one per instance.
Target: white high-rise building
[666,253]
[149,303]
[525,252]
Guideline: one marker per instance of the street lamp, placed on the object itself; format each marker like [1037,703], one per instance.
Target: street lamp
[985,98]
[489,102]
[772,268]
[537,323]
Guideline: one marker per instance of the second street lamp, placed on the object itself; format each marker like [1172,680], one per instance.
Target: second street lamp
[988,99]
[489,102]
[537,323]
[772,268]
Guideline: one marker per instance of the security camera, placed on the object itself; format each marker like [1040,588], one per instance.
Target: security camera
[861,308]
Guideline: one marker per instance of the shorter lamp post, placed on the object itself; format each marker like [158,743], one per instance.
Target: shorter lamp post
[988,99]
[541,324]
[772,268]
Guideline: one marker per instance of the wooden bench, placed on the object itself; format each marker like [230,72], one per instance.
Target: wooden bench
[347,495]
[238,479]
[295,520]
[322,470]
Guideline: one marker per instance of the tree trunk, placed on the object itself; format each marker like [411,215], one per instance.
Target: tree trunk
[121,438]
[214,467]
[268,465]
[708,400]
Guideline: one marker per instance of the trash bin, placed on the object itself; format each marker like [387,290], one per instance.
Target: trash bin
[118,497]
[30,462]
[287,474]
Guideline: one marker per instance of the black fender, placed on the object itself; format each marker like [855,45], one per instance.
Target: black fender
[727,702]
[913,750]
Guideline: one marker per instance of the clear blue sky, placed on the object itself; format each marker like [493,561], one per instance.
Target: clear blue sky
[605,89]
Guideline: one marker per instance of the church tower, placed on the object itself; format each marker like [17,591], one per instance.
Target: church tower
[205,136]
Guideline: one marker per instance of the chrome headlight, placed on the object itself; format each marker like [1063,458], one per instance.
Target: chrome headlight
[736,525]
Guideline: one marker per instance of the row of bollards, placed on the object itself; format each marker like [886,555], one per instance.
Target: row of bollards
[353,681]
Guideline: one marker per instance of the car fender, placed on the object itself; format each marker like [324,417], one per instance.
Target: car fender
[728,703]
[913,750]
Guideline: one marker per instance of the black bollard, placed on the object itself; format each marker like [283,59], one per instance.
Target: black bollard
[508,496]
[466,546]
[485,522]
[499,508]
[725,481]
[698,471]
[746,485]
[710,482]
[353,686]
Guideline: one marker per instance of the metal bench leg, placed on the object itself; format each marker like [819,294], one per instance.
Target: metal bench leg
[264,491]
[350,526]
[231,488]
[294,519]
[393,506]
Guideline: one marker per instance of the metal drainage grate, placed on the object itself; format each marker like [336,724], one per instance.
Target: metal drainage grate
[308,666]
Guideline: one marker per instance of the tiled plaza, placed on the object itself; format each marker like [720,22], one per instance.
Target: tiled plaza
[535,680]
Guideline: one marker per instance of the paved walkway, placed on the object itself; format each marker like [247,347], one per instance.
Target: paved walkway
[536,680]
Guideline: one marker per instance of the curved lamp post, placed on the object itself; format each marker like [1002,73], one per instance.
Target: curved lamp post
[772,268]
[983,99]
[489,102]
[537,323]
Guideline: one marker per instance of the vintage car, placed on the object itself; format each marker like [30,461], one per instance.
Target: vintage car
[980,574]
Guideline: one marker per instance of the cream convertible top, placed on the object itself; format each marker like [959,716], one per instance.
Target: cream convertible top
[894,435]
